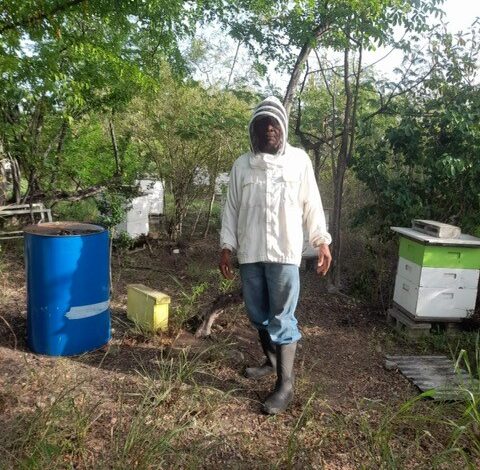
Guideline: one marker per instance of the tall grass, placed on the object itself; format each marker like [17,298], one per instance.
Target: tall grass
[187,305]
[142,430]
[168,385]
[170,369]
[465,430]
[51,435]
[393,438]
[140,439]
[288,460]
[390,437]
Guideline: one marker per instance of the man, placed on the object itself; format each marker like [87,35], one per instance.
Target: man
[272,194]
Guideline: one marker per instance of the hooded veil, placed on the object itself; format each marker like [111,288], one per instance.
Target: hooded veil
[271,107]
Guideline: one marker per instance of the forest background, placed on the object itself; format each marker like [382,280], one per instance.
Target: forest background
[96,94]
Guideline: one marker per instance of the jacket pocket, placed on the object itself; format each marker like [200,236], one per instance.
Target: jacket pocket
[253,191]
[290,189]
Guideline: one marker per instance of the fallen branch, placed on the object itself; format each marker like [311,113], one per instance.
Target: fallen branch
[219,305]
[136,250]
[58,196]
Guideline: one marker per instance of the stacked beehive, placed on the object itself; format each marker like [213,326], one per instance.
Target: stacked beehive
[438,271]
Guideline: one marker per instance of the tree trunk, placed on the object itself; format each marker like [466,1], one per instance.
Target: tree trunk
[33,186]
[61,140]
[37,125]
[194,229]
[178,217]
[336,225]
[297,68]
[114,147]
[233,65]
[32,160]
[340,173]
[213,175]
[209,213]
[3,176]
[317,164]
[16,176]
[3,184]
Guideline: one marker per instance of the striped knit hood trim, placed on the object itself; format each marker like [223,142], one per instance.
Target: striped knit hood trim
[271,107]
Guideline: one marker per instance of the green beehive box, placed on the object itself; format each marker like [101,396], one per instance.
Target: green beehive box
[438,256]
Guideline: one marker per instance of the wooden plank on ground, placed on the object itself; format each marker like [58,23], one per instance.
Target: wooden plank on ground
[436,373]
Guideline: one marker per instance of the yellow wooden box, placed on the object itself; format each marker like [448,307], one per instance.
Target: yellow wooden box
[147,307]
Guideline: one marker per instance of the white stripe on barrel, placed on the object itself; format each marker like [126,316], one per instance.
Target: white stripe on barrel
[85,311]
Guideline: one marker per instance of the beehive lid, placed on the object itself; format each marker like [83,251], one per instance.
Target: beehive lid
[60,229]
[463,239]
[436,229]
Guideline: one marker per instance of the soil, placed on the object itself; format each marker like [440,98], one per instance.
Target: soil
[343,391]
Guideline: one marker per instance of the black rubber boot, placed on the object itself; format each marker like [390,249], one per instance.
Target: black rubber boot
[268,368]
[282,394]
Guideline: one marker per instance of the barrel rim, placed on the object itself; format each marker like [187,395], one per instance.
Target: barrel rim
[53,227]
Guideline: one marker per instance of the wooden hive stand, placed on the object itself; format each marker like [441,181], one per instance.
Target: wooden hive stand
[405,324]
[415,328]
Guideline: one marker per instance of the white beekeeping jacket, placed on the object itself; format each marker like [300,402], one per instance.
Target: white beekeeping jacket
[270,198]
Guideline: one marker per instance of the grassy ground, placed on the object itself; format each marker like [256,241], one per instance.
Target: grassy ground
[172,401]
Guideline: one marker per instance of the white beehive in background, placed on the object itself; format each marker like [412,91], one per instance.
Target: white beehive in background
[136,222]
[221,183]
[136,219]
[154,190]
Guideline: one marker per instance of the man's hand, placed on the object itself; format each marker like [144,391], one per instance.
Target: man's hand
[324,259]
[226,264]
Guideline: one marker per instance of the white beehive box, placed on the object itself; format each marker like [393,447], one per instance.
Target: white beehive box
[136,222]
[154,190]
[449,302]
[136,219]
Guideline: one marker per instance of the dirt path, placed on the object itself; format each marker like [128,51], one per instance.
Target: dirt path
[192,392]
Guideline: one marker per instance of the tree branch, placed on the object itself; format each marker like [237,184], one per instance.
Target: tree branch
[384,104]
[353,123]
[233,65]
[39,16]
[65,196]
[297,68]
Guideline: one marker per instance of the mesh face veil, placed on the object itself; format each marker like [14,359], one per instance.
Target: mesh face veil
[273,108]
[266,134]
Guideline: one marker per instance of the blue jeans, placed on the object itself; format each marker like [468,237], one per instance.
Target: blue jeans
[270,292]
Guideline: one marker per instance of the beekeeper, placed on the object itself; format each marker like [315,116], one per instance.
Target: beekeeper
[272,196]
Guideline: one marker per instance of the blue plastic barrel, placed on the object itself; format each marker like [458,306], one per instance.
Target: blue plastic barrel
[68,287]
